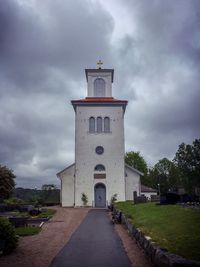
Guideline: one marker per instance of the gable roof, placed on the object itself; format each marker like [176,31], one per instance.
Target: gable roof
[147,189]
[126,166]
[57,174]
[133,169]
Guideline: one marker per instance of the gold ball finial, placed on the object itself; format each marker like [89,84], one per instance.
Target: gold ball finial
[99,63]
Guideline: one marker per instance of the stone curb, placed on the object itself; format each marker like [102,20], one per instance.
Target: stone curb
[159,257]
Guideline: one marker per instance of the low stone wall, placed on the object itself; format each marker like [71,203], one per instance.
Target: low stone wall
[159,257]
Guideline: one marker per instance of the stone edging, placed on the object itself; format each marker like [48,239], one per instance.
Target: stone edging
[159,257]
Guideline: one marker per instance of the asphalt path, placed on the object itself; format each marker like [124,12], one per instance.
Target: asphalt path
[94,244]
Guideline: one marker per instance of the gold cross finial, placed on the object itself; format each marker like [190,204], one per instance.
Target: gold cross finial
[99,63]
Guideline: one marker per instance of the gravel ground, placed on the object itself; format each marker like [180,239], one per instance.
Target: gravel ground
[134,252]
[39,250]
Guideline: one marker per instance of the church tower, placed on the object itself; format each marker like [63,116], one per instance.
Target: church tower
[99,170]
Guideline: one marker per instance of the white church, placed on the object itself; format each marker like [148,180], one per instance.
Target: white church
[99,170]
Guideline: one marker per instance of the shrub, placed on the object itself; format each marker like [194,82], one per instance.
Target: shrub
[84,198]
[113,199]
[13,200]
[34,212]
[7,233]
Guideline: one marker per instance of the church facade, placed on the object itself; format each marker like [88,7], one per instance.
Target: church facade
[99,171]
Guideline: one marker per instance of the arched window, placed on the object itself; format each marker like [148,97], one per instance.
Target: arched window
[99,124]
[99,87]
[99,168]
[92,125]
[106,124]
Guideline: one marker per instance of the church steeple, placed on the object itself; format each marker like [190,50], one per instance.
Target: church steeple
[99,168]
[99,82]
[99,89]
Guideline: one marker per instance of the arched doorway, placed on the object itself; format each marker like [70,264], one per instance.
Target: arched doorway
[100,195]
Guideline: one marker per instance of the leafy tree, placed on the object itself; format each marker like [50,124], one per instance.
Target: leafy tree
[166,174]
[187,159]
[7,182]
[38,196]
[50,196]
[135,160]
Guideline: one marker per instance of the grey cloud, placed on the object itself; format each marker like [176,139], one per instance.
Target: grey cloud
[43,50]
[160,60]
[53,35]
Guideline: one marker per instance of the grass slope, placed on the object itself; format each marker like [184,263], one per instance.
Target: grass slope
[172,227]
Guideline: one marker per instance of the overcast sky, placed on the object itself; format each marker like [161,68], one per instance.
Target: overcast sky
[154,48]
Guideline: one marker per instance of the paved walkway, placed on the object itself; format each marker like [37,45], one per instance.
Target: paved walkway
[94,244]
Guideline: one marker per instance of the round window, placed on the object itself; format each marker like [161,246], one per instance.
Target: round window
[99,150]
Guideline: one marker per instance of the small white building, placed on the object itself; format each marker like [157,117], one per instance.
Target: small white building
[148,191]
[99,170]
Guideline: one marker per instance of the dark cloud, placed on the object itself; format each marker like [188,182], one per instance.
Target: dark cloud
[54,36]
[44,48]
[160,61]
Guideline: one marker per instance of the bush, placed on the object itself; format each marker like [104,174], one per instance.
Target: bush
[7,233]
[113,199]
[84,199]
[13,201]
[34,212]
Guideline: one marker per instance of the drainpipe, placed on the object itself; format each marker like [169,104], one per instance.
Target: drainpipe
[75,186]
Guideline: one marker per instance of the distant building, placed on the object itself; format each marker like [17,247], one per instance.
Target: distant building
[99,170]
[148,191]
[48,187]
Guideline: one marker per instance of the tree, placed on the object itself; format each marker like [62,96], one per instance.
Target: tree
[187,159]
[135,160]
[166,174]
[7,182]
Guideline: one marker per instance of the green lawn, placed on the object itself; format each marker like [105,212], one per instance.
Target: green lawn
[170,226]
[29,230]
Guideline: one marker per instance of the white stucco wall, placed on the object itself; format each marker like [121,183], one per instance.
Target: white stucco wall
[132,183]
[112,158]
[107,78]
[67,186]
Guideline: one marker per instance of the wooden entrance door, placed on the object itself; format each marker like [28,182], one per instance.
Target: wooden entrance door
[100,195]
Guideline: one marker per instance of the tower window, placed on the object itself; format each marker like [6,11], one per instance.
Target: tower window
[106,124]
[99,124]
[99,168]
[99,87]
[92,125]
